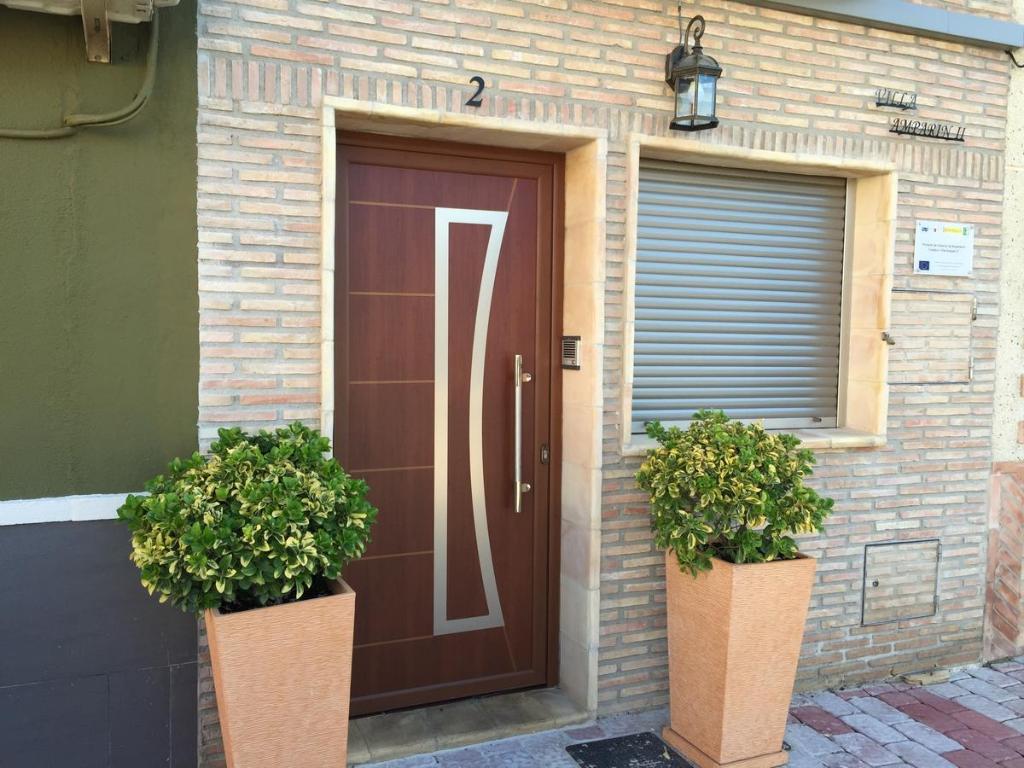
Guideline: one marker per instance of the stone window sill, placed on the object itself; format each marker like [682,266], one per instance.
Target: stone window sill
[840,439]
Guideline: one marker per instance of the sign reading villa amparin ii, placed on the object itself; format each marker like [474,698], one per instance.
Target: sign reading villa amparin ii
[906,127]
[891,97]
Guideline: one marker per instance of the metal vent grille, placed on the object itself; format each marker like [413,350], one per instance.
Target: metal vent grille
[901,581]
[571,352]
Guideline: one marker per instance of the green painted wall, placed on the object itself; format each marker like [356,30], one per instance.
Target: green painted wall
[99,348]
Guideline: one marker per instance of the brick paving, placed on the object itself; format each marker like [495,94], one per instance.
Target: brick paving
[972,721]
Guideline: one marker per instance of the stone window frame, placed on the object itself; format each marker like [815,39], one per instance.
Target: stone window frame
[868,259]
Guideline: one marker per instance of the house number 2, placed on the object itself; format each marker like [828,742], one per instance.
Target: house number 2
[476,100]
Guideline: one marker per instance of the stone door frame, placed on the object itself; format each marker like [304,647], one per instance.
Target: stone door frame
[585,151]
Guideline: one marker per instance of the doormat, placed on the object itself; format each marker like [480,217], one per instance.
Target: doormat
[638,750]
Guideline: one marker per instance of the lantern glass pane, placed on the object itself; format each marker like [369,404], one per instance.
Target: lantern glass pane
[684,98]
[707,85]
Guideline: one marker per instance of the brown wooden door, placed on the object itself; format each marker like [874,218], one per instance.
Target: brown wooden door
[444,275]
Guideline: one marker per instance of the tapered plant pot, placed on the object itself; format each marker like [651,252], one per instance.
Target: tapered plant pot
[734,636]
[282,677]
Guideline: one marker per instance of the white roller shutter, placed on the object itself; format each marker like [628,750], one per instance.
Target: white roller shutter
[739,280]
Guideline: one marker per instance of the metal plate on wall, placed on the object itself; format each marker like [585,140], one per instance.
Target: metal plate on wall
[932,330]
[901,581]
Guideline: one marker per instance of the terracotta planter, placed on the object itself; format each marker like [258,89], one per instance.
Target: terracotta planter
[734,636]
[282,676]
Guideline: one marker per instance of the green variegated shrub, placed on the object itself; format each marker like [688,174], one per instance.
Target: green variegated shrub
[729,490]
[265,519]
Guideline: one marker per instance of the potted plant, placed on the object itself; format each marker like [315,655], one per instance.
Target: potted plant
[255,537]
[725,499]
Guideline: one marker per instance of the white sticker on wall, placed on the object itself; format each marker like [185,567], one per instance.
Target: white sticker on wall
[943,248]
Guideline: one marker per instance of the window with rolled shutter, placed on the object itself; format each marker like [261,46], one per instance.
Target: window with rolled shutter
[739,282]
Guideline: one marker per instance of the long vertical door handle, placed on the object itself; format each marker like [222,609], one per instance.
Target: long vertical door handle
[520,487]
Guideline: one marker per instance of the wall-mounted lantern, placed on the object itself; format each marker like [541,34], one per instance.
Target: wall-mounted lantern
[694,78]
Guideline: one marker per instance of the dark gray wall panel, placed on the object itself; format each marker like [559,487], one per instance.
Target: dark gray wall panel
[55,724]
[80,607]
[140,709]
[94,671]
[184,720]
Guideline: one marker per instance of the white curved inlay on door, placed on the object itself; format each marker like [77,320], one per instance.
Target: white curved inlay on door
[443,219]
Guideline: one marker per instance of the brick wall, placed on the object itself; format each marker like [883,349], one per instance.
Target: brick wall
[1004,617]
[791,83]
[211,743]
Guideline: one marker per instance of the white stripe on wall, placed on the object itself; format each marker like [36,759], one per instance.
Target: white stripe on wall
[58,509]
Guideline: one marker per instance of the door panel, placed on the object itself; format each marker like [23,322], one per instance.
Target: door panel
[409,351]
[412,491]
[390,424]
[445,264]
[402,267]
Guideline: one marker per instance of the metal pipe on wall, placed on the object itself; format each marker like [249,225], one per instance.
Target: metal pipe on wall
[75,121]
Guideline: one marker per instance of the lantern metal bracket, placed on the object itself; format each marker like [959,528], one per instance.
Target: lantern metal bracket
[683,50]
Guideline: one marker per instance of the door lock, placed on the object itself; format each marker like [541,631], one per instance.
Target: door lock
[545,454]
